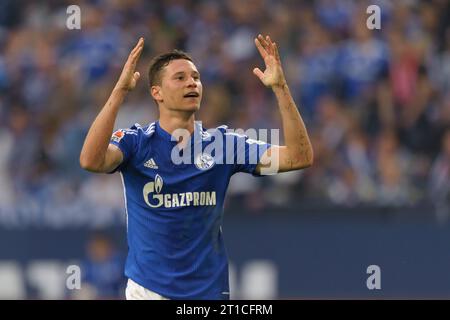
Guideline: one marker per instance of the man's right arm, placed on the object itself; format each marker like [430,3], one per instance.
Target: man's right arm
[97,155]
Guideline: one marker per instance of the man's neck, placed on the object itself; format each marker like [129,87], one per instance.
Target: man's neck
[173,120]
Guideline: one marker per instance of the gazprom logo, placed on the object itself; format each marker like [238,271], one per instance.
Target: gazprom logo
[155,199]
[158,183]
[151,188]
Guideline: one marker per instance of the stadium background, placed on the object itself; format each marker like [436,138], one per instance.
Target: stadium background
[376,104]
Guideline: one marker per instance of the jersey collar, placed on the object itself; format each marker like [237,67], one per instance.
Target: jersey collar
[166,136]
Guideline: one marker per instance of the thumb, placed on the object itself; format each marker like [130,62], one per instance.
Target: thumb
[136,76]
[258,73]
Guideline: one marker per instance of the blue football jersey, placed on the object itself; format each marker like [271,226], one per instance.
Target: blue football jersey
[175,210]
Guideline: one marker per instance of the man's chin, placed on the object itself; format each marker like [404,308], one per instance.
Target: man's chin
[187,108]
[192,107]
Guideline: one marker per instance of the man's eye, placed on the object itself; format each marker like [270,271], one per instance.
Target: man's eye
[180,78]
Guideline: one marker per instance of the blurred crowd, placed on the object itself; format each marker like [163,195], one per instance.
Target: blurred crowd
[376,102]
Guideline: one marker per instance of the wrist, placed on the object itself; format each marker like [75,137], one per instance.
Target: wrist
[120,91]
[118,95]
[279,86]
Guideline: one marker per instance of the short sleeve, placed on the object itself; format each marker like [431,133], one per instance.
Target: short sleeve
[126,141]
[246,152]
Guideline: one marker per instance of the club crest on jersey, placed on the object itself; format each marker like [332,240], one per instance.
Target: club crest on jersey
[204,161]
[117,136]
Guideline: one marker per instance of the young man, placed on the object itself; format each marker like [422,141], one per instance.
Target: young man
[174,210]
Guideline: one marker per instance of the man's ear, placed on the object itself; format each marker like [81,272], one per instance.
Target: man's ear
[155,91]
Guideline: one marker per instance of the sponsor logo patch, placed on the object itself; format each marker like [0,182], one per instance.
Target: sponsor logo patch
[117,136]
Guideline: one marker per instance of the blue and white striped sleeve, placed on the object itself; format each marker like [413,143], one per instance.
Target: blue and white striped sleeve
[247,152]
[126,141]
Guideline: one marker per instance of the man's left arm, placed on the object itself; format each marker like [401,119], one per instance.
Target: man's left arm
[298,152]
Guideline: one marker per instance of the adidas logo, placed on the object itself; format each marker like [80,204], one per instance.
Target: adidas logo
[150,164]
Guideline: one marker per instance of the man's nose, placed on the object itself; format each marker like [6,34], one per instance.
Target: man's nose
[192,82]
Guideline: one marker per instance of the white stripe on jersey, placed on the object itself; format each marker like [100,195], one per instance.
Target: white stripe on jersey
[150,128]
[126,131]
[125,198]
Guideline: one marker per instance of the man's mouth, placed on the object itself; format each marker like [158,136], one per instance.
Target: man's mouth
[192,95]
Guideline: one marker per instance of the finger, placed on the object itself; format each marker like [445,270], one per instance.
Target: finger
[135,48]
[138,47]
[277,54]
[139,44]
[261,50]
[257,72]
[263,41]
[136,54]
[267,45]
[270,45]
[136,76]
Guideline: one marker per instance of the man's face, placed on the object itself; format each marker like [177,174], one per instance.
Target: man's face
[181,88]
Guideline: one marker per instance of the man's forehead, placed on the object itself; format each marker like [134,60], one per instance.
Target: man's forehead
[180,65]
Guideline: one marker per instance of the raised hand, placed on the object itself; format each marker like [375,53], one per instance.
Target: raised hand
[128,78]
[273,76]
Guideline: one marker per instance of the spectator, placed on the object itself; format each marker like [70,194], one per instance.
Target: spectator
[439,182]
[387,82]
[102,276]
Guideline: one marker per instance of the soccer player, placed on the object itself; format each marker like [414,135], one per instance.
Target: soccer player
[174,210]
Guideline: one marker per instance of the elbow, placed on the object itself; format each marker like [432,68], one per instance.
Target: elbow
[86,164]
[304,160]
[310,158]
[308,162]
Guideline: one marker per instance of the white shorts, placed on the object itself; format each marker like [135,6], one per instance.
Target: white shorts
[135,291]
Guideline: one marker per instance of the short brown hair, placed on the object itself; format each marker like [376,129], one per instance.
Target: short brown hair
[159,62]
